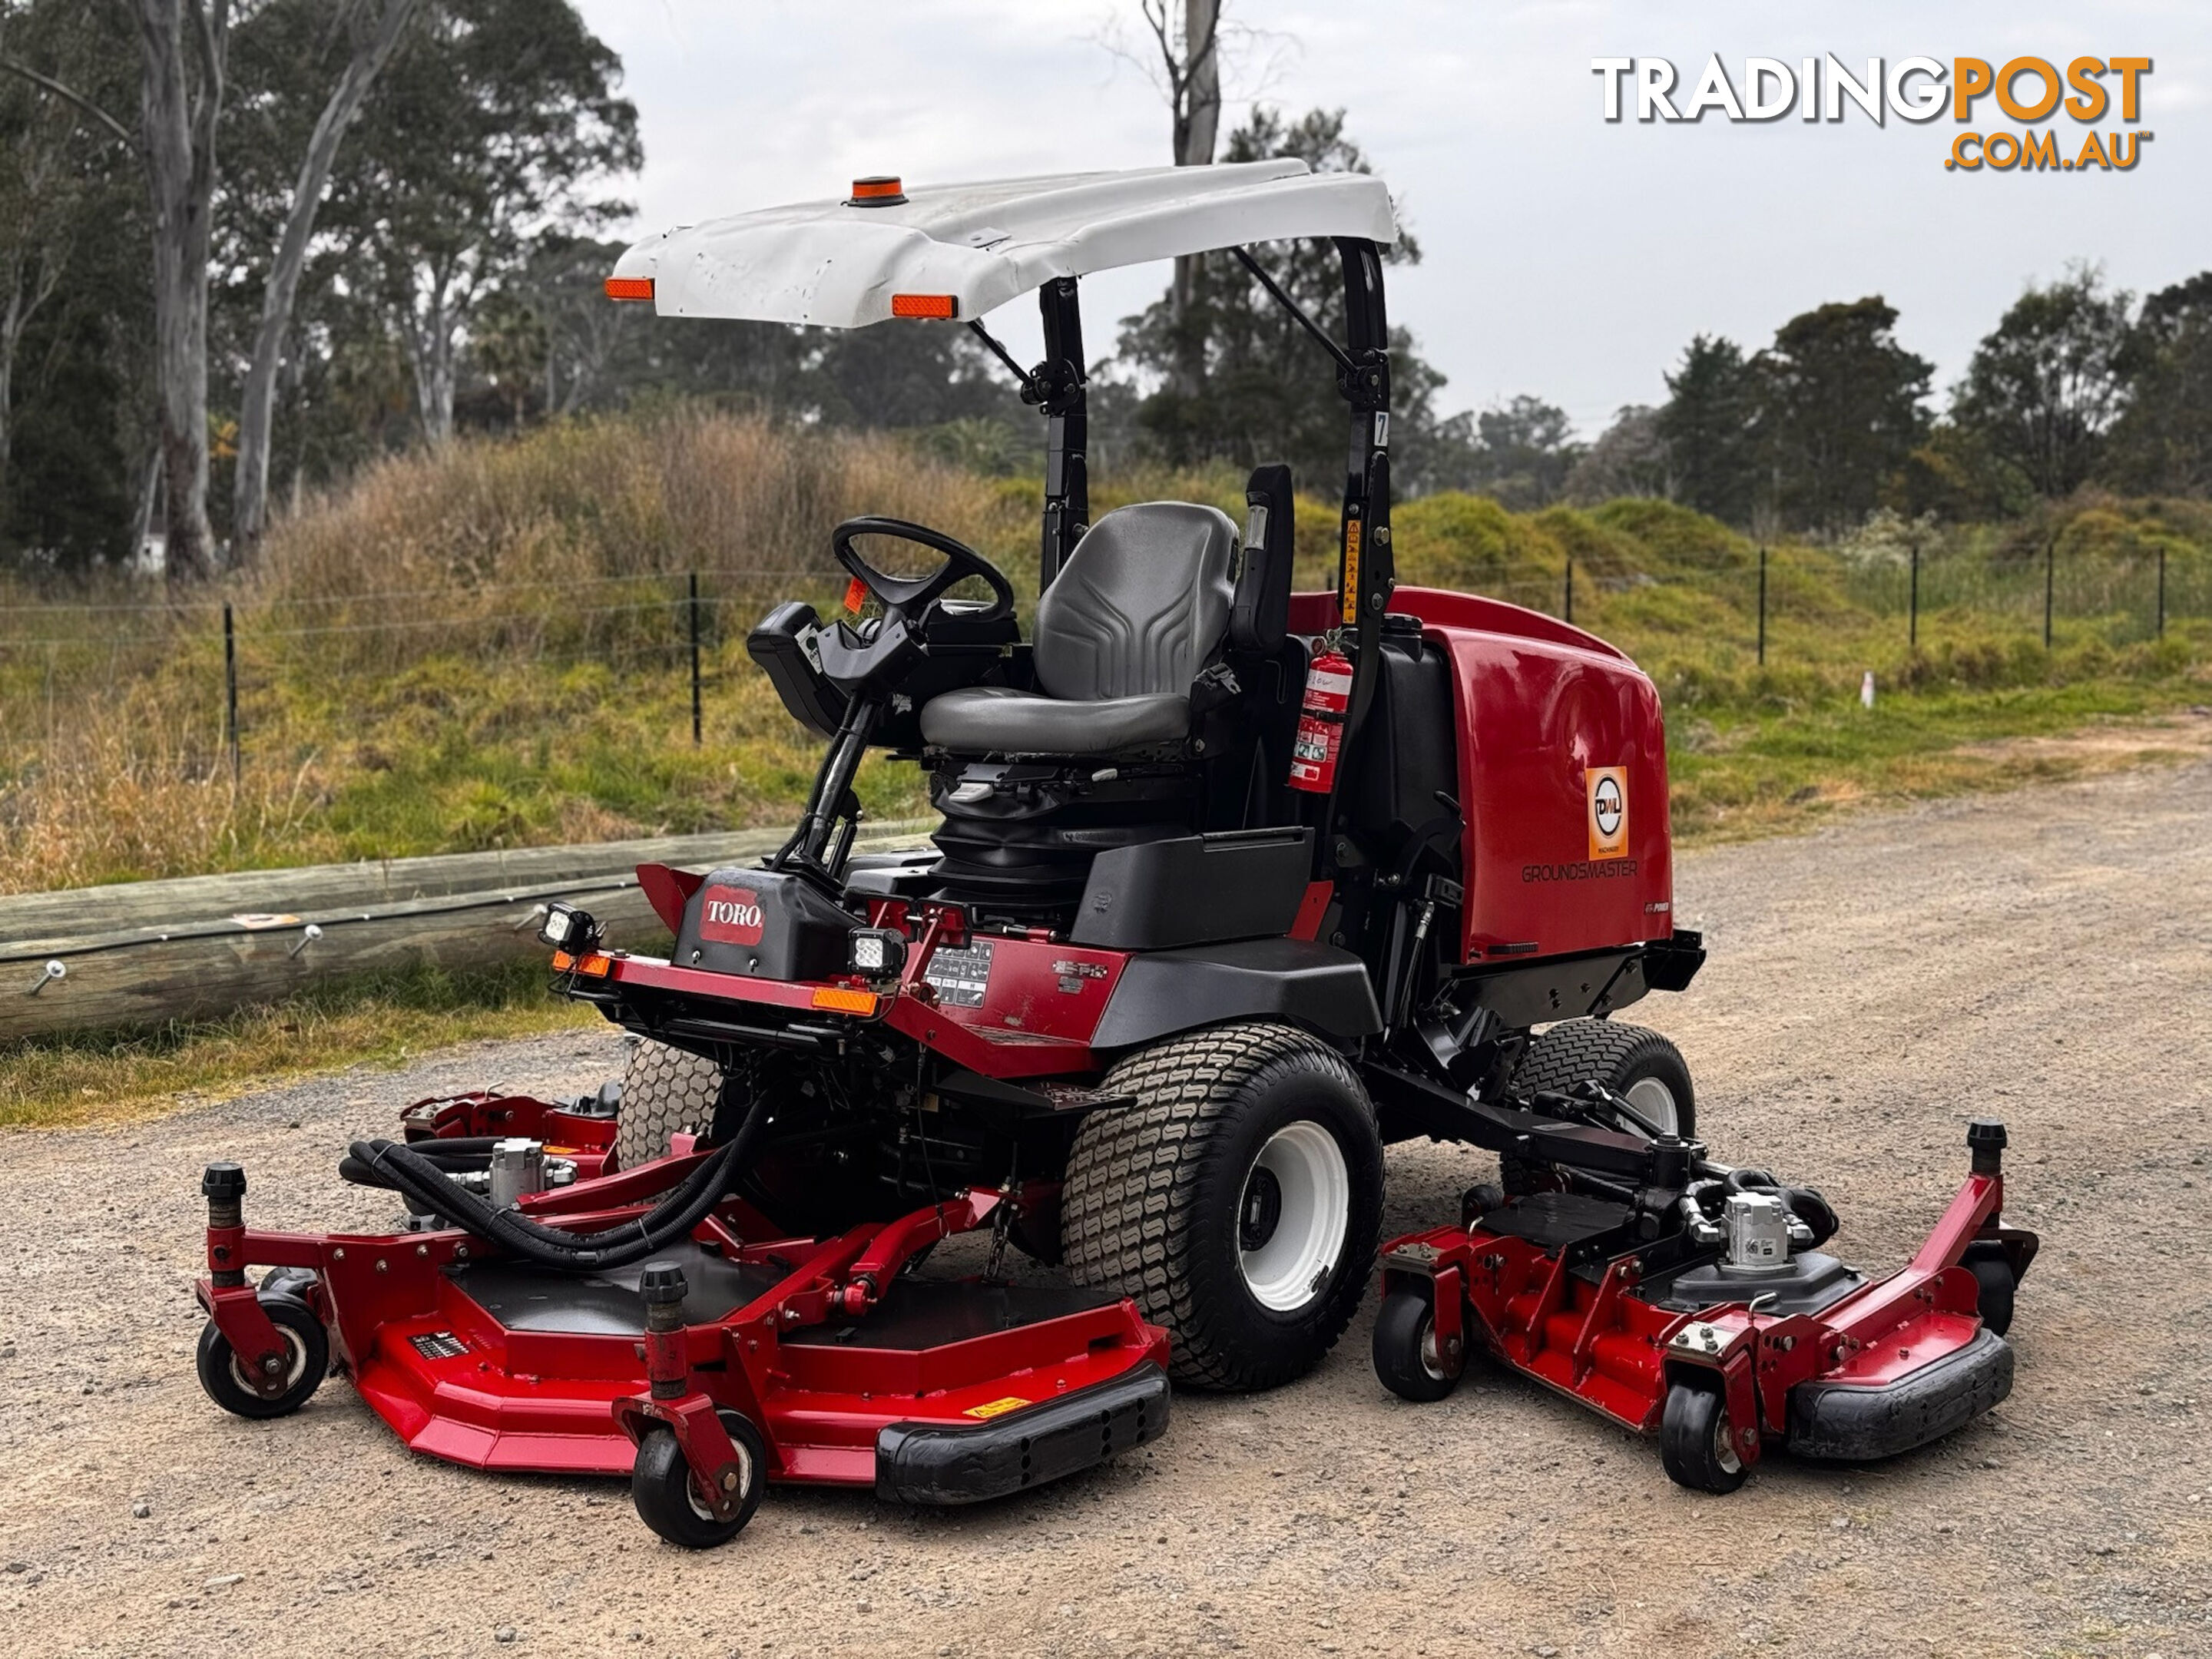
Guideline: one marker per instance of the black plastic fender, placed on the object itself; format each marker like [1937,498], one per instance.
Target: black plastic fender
[1162,992]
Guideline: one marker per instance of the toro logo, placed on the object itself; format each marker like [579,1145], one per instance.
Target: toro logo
[730,916]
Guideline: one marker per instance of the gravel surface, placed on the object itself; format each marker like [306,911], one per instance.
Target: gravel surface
[2040,956]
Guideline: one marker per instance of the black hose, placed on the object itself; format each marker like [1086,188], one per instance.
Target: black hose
[422,1180]
[469,1155]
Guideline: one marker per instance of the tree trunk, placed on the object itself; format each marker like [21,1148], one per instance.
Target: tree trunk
[179,130]
[1197,121]
[250,492]
[428,323]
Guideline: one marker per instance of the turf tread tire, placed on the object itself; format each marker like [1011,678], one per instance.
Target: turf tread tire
[1133,1185]
[1575,1050]
[665,1091]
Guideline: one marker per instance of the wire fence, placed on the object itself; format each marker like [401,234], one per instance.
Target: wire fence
[667,637]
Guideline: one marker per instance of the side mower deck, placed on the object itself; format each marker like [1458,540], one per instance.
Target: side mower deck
[844,1369]
[1660,1333]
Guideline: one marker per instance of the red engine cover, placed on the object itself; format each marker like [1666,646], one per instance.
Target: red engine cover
[1563,776]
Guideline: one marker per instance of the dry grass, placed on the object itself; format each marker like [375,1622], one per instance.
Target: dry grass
[480,649]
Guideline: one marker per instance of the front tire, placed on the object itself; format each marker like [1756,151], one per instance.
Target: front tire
[662,1486]
[1238,1203]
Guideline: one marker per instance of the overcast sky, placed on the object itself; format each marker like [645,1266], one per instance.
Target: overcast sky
[1564,257]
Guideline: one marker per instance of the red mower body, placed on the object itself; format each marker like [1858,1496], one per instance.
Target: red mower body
[1562,756]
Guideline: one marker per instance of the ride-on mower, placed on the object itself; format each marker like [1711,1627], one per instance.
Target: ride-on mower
[1232,886]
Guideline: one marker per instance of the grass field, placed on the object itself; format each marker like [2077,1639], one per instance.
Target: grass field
[491,647]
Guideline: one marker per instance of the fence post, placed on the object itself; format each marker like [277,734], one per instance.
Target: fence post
[1570,588]
[230,689]
[1912,607]
[2050,584]
[1762,607]
[2162,592]
[696,725]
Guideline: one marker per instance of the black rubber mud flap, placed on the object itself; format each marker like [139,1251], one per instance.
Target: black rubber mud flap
[932,1463]
[1852,1423]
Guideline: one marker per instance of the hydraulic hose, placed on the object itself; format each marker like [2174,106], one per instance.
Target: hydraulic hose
[459,1155]
[422,1180]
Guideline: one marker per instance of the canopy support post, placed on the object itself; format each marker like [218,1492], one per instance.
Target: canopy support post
[1056,388]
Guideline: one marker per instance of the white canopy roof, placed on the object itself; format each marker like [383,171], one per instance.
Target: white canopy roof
[828,264]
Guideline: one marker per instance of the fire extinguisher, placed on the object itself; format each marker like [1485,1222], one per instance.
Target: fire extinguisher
[1321,722]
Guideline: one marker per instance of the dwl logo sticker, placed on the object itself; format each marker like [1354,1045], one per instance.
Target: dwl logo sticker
[1608,811]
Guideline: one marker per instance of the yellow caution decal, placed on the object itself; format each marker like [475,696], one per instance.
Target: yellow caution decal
[1351,572]
[1012,1402]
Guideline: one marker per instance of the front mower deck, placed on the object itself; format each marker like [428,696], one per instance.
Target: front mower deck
[935,1391]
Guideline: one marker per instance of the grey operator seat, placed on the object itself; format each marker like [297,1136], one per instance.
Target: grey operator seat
[1136,612]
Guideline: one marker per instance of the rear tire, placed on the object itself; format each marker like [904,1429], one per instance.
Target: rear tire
[665,1092]
[667,1498]
[1633,1060]
[1696,1446]
[1406,1356]
[1239,1202]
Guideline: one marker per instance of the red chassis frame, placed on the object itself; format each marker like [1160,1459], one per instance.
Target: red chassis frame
[1620,1356]
[455,1383]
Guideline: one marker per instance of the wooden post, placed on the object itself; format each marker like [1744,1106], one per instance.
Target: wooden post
[696,725]
[1913,605]
[1762,607]
[230,689]
[2050,585]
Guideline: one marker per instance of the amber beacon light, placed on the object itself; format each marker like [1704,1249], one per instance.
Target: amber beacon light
[885,190]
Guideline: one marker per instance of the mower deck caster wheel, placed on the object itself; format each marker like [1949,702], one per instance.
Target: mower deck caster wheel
[308,1361]
[1993,1277]
[667,1498]
[1696,1442]
[1406,1355]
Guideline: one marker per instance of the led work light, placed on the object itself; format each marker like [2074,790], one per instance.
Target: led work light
[876,952]
[567,929]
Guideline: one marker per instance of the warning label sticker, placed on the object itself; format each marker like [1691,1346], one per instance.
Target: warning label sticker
[1607,786]
[1012,1402]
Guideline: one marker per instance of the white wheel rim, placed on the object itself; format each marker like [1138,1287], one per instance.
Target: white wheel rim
[691,1493]
[1656,1101]
[295,1351]
[1724,1451]
[1290,1265]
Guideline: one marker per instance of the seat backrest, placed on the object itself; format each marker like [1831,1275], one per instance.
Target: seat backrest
[1140,604]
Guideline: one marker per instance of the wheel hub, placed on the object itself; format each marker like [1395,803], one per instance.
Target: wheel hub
[1263,1209]
[1293,1217]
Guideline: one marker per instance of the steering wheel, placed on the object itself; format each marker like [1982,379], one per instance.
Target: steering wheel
[913,600]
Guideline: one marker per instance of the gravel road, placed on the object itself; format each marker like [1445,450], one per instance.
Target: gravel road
[2040,956]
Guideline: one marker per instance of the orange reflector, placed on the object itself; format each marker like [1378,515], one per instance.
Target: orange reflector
[944,306]
[845,1002]
[856,595]
[629,287]
[883,190]
[563,962]
[596,966]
